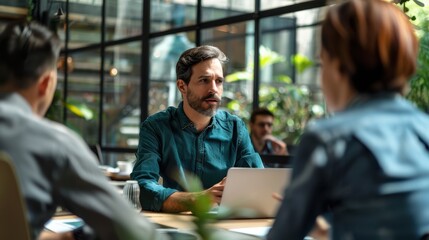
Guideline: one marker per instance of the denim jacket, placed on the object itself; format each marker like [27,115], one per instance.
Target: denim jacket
[367,168]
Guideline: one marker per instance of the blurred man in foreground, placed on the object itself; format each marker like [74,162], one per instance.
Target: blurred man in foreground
[54,166]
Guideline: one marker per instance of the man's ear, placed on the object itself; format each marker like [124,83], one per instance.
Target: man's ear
[181,85]
[44,83]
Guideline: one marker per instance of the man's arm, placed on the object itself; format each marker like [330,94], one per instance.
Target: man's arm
[278,146]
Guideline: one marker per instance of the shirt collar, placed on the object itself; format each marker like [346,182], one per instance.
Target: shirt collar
[185,122]
[17,100]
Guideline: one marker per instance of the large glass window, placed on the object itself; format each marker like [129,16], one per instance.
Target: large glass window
[137,59]
[123,19]
[83,94]
[121,99]
[84,23]
[164,53]
[172,14]
[213,10]
[236,41]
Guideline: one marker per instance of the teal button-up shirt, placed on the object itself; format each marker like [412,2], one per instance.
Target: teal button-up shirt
[169,146]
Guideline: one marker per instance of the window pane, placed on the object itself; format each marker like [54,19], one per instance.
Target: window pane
[123,19]
[236,41]
[278,3]
[84,95]
[165,52]
[110,158]
[85,23]
[172,14]
[225,8]
[289,72]
[121,100]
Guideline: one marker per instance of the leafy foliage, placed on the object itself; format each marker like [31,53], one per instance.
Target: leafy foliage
[292,105]
[419,83]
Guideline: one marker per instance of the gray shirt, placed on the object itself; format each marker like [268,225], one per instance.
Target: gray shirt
[56,168]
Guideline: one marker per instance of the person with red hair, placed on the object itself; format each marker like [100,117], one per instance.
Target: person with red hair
[365,168]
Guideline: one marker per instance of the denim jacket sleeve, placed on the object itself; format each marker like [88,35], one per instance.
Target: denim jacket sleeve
[304,198]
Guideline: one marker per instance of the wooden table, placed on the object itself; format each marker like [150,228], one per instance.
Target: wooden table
[224,227]
[182,223]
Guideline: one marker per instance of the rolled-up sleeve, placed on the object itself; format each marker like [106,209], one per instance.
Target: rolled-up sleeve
[146,169]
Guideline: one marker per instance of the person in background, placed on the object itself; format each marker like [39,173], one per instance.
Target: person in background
[366,168]
[54,166]
[261,128]
[194,138]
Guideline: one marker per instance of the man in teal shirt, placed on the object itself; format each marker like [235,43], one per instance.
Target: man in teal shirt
[194,137]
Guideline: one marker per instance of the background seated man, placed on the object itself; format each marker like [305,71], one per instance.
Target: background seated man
[54,166]
[195,137]
[261,128]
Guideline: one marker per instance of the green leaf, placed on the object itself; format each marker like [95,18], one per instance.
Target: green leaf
[80,110]
[284,79]
[301,62]
[268,57]
[238,76]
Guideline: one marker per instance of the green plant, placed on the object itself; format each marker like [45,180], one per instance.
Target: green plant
[419,84]
[78,109]
[200,207]
[293,105]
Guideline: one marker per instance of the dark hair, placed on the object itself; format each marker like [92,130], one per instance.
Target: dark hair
[374,42]
[27,50]
[194,56]
[260,111]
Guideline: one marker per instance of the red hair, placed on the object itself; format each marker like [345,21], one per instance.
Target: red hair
[374,42]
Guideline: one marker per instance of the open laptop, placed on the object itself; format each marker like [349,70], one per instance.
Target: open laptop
[248,192]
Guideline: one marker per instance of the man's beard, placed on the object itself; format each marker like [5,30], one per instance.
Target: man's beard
[197,104]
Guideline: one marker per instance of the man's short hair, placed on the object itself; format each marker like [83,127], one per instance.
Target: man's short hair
[193,56]
[27,50]
[260,111]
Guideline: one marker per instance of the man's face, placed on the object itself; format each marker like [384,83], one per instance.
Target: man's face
[262,126]
[205,88]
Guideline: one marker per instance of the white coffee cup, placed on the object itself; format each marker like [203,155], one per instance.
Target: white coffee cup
[124,166]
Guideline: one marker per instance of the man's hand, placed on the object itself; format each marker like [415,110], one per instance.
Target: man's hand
[216,191]
[279,147]
[180,201]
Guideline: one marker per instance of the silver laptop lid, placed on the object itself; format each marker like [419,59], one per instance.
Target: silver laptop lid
[248,192]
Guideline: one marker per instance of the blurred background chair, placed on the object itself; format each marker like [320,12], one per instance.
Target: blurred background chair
[96,149]
[13,222]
